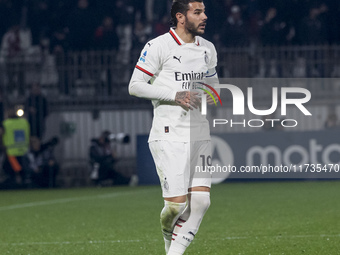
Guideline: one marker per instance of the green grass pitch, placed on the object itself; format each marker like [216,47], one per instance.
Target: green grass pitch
[244,218]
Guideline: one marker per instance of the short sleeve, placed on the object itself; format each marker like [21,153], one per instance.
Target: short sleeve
[151,58]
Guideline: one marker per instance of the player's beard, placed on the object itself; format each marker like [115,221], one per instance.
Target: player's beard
[192,28]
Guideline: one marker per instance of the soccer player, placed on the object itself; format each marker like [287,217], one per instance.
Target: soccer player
[170,72]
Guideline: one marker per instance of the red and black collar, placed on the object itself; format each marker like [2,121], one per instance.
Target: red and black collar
[173,34]
[178,39]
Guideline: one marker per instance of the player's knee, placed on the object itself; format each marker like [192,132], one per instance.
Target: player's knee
[200,201]
[205,203]
[170,213]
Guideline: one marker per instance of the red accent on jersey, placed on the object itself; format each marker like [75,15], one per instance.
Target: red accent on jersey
[181,220]
[175,38]
[174,234]
[178,225]
[143,70]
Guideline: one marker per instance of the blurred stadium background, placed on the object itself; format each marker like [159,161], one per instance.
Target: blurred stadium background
[83,52]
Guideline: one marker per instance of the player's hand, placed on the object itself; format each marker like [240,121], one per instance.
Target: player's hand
[188,100]
[210,100]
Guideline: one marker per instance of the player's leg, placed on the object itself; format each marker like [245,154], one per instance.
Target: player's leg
[198,203]
[188,223]
[173,208]
[172,175]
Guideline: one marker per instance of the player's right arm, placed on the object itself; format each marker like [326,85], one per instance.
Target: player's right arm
[149,63]
[139,86]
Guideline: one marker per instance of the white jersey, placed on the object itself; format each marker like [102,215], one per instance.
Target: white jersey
[173,66]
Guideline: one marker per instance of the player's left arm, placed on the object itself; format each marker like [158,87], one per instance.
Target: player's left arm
[212,76]
[212,80]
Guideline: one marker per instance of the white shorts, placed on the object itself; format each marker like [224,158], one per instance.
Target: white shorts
[177,165]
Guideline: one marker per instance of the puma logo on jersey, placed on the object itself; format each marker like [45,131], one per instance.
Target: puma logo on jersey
[150,44]
[179,59]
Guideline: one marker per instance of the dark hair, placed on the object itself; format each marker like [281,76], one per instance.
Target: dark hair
[181,6]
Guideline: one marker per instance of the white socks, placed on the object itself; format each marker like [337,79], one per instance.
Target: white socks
[169,215]
[188,223]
